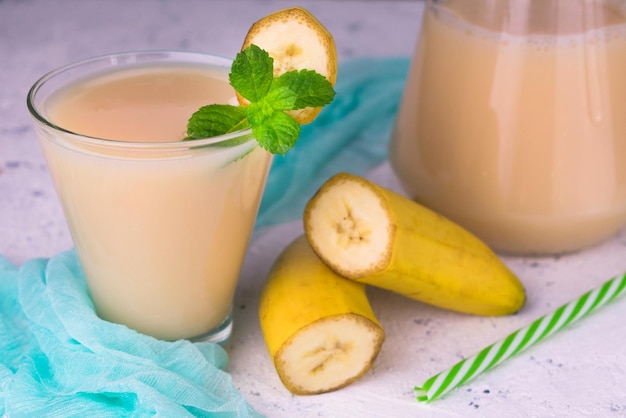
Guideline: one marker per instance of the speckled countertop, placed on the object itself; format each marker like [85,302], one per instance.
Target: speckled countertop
[580,372]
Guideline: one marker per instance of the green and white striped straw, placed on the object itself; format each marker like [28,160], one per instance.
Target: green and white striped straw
[488,358]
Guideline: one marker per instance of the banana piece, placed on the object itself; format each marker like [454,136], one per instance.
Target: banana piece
[296,40]
[375,236]
[319,328]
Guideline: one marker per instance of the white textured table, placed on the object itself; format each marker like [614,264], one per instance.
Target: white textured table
[580,372]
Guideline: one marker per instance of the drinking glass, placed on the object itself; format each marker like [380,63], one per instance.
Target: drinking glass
[160,228]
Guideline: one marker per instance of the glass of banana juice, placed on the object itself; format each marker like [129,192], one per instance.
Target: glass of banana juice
[160,225]
[512,122]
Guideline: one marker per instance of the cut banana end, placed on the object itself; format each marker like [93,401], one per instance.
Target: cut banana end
[319,328]
[296,40]
[349,225]
[375,236]
[328,354]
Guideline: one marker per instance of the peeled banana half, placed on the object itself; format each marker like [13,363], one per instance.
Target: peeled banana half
[373,235]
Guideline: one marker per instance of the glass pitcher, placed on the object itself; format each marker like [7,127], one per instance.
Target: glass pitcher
[513,121]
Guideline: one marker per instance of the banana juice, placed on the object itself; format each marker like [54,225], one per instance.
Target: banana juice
[160,226]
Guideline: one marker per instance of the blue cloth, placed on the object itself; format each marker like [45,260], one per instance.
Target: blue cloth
[58,359]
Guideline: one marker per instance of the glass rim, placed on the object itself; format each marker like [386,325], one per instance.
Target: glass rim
[164,54]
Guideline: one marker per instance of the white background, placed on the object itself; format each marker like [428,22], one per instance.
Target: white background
[580,372]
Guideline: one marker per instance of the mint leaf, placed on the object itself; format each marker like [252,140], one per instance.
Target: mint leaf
[277,132]
[216,119]
[281,97]
[270,98]
[252,73]
[310,89]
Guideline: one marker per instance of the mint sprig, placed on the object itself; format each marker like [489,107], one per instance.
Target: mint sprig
[252,76]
